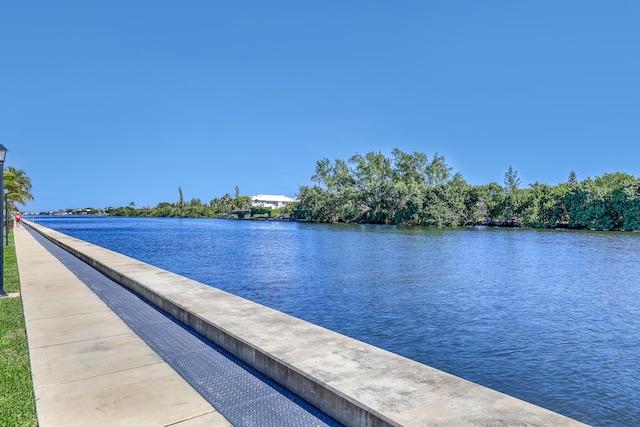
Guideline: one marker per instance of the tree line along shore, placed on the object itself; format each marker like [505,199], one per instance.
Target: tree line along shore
[411,189]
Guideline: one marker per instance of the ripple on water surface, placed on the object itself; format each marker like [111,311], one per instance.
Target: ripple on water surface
[552,317]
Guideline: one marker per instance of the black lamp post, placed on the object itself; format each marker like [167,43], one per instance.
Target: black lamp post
[3,154]
[6,218]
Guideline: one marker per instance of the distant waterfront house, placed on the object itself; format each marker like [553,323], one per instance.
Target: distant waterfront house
[271,201]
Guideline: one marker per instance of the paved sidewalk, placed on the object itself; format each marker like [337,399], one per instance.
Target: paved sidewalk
[89,367]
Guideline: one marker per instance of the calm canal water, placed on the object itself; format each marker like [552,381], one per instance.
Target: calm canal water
[551,317]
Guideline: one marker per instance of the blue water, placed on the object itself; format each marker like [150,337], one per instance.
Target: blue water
[551,317]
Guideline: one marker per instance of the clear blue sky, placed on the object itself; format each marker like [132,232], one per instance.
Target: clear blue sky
[103,103]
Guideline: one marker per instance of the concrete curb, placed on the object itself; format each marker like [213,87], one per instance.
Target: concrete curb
[353,382]
[11,295]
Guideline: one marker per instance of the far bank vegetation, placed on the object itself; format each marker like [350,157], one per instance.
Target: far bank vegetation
[222,207]
[411,189]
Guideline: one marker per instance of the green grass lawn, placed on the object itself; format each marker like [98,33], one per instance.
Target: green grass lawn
[17,404]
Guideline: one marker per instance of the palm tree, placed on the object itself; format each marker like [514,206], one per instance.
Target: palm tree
[18,185]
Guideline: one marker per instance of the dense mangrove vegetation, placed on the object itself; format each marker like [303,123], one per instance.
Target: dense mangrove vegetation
[410,189]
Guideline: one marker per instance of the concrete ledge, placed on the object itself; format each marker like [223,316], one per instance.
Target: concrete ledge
[353,382]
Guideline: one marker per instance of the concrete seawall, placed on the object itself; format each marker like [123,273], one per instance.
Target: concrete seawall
[353,382]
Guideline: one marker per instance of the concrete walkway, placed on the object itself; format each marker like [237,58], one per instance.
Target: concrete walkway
[89,367]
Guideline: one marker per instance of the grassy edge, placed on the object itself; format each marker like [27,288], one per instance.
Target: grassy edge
[17,402]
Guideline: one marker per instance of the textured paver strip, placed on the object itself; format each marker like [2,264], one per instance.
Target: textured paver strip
[89,369]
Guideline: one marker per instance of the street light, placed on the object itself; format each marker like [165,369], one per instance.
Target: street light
[6,219]
[3,154]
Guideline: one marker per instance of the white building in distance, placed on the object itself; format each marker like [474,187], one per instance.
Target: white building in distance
[271,201]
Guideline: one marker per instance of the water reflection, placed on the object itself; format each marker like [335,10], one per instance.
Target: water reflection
[552,317]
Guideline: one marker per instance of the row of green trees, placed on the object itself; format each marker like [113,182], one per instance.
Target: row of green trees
[411,189]
[222,207]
